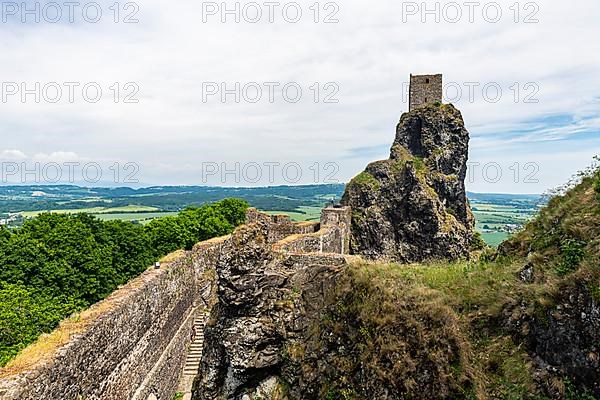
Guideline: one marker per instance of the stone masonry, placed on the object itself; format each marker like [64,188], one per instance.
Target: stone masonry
[134,344]
[424,89]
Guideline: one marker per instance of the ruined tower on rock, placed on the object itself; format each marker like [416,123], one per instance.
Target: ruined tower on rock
[413,206]
[424,89]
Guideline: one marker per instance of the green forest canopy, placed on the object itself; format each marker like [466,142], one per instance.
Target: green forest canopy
[57,264]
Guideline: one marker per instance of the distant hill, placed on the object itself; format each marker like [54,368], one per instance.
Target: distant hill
[497,214]
[164,198]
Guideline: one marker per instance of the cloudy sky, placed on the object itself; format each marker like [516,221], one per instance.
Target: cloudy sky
[189,95]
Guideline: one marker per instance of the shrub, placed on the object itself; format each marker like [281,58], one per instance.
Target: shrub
[572,252]
[477,243]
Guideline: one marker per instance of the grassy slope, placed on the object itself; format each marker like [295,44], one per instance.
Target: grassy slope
[381,310]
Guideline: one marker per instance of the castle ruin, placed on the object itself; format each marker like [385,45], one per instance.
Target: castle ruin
[145,341]
[424,89]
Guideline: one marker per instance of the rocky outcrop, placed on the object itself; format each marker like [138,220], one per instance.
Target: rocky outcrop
[266,300]
[563,339]
[413,206]
[293,325]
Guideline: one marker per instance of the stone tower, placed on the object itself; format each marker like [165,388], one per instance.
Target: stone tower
[424,89]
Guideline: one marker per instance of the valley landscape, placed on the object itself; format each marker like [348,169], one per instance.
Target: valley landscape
[358,291]
[239,200]
[497,215]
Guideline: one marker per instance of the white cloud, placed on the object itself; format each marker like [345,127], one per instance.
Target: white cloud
[57,157]
[11,155]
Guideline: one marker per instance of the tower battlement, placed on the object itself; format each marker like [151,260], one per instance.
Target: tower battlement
[424,89]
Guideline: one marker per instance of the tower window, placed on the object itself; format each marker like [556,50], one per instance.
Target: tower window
[427,80]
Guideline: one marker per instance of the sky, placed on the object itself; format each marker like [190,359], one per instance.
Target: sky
[259,93]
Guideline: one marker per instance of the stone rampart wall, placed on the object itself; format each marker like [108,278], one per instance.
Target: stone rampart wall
[131,345]
[326,240]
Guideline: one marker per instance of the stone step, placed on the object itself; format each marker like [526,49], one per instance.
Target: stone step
[194,364]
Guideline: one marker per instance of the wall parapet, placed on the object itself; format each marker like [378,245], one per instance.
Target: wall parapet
[332,237]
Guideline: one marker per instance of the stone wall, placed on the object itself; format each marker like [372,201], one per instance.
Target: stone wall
[163,379]
[340,218]
[280,226]
[132,345]
[424,89]
[332,237]
[326,240]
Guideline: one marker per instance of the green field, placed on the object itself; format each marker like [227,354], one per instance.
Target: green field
[142,217]
[497,219]
[494,238]
[95,210]
[302,213]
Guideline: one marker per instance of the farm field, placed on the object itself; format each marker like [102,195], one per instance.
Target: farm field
[497,217]
[95,210]
[303,213]
[141,217]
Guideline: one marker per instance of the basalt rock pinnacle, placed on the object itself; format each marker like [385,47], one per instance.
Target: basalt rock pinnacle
[413,206]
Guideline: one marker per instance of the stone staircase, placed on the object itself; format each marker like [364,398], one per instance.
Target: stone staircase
[192,362]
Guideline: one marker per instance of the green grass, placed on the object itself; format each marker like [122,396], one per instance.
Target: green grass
[384,322]
[476,292]
[494,238]
[365,179]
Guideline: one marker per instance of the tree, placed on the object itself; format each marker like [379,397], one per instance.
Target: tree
[24,315]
